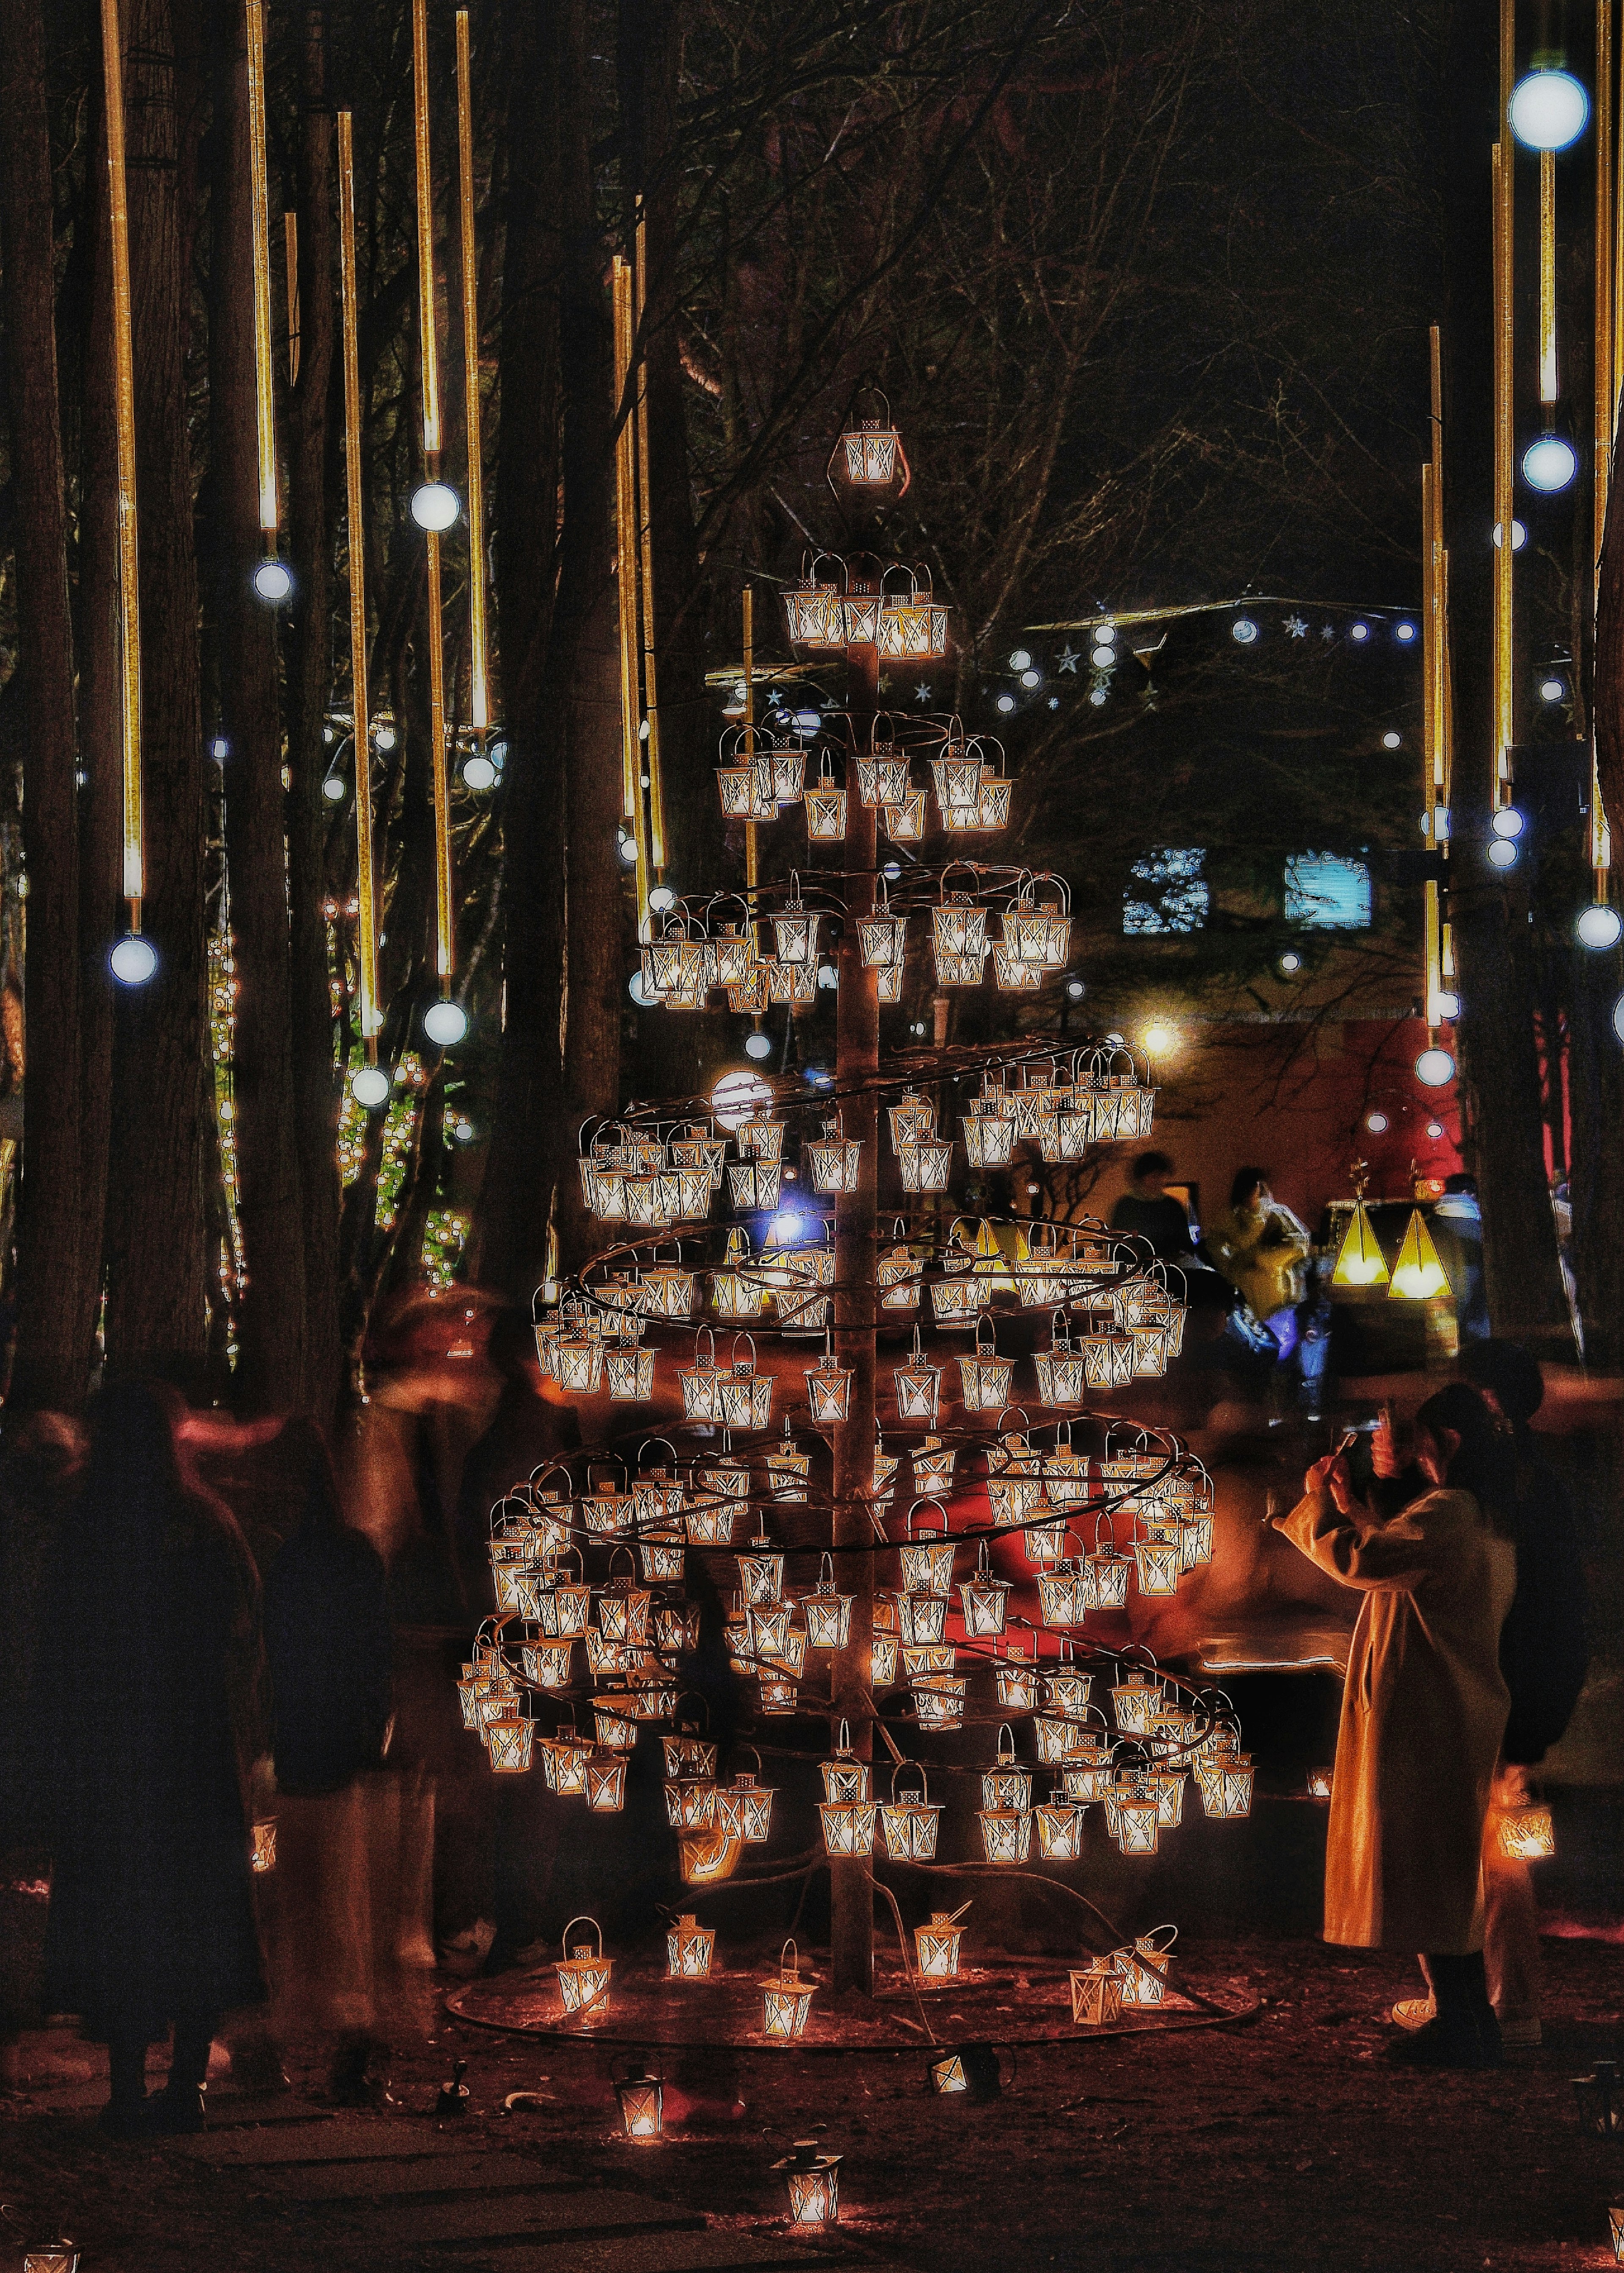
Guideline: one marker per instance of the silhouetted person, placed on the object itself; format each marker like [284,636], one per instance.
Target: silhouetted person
[142,1701]
[1149,1210]
[1457,1233]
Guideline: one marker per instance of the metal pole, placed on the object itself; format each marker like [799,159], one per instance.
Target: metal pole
[851,1930]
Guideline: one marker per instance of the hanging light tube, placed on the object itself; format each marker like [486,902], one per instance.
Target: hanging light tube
[290,246]
[1606,371]
[265,383]
[657,800]
[479,676]
[1547,278]
[429,360]
[124,405]
[1504,552]
[367,909]
[625,582]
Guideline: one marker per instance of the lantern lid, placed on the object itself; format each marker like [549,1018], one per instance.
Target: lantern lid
[804,2156]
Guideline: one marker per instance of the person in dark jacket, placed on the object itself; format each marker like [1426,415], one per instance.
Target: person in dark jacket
[1151,1213]
[146,1722]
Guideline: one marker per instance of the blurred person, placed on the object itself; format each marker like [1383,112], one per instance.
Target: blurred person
[147,1737]
[1544,1655]
[1423,1711]
[330,1652]
[1456,1227]
[1259,1247]
[1149,1210]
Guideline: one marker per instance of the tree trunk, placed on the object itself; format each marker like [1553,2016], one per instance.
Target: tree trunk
[156,1301]
[515,1202]
[1595,1076]
[271,1311]
[1499,1069]
[310,429]
[52,1344]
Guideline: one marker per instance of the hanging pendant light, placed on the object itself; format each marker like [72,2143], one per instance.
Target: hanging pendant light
[1417,1274]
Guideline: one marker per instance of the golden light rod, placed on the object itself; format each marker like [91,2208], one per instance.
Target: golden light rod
[625,582]
[1500,787]
[366,903]
[429,344]
[444,930]
[124,405]
[1547,276]
[479,676]
[265,396]
[656,797]
[749,725]
[1606,375]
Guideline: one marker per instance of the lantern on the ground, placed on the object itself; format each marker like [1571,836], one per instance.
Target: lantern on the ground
[1601,2108]
[786,1997]
[1526,1834]
[642,2102]
[689,1948]
[52,2257]
[1143,1966]
[1097,1994]
[813,2182]
[907,1825]
[263,1855]
[827,1614]
[936,1945]
[583,1974]
[1615,2227]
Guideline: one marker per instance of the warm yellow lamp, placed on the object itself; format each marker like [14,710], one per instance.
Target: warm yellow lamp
[1359,1261]
[1417,1273]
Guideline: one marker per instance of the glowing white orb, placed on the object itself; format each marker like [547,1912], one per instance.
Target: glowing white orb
[1404,634]
[1449,1004]
[1548,109]
[639,993]
[737,1097]
[445,1024]
[1502,853]
[272,580]
[1434,1068]
[1550,463]
[1618,1017]
[1160,1038]
[758,1046]
[1290,962]
[1519,536]
[133,960]
[1031,678]
[1006,702]
[478,772]
[333,788]
[1390,741]
[220,748]
[1243,629]
[1507,822]
[1377,1123]
[1019,660]
[1103,657]
[660,898]
[1435,1129]
[1358,631]
[1551,690]
[1600,926]
[807,721]
[370,1087]
[1096,696]
[435,507]
[1075,988]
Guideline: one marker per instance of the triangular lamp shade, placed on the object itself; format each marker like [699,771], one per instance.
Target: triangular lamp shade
[1359,1261]
[1417,1273]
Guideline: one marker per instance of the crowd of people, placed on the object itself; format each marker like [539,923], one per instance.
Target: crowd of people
[175,1701]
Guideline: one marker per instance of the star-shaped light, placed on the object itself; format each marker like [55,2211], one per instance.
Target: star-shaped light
[1295,625]
[922,693]
[1069,658]
[1328,631]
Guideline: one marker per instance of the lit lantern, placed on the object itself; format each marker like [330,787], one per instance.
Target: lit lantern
[508,1739]
[1065,1592]
[989,1140]
[788,771]
[691,1805]
[904,823]
[871,452]
[1601,2109]
[1087,1774]
[927,1561]
[908,1825]
[642,2103]
[992,805]
[828,1389]
[834,1160]
[615,1721]
[912,628]
[766,1627]
[1111,1573]
[1037,935]
[917,1386]
[958,928]
[701,1381]
[751,996]
[882,940]
[1166,1787]
[689,1948]
[825,808]
[795,932]
[790,982]
[1005,1835]
[1059,1829]
[744,1395]
[607,1512]
[1134,1701]
[1526,1834]
[985,1600]
[957,777]
[569,1755]
[744,1809]
[926,1166]
[1319,1783]
[1418,1275]
[1143,1967]
[827,1614]
[1013,976]
[1065,1691]
[848,1826]
[547,1663]
[1017,1681]
[706,1858]
[746,791]
[630,1374]
[882,779]
[667,1291]
[52,2257]
[761,1571]
[709,1521]
[897,1278]
[1615,2228]
[1158,1562]
[761,1140]
[1109,1357]
[263,1855]
[1227,1783]
[983,1379]
[786,1997]
[845,1777]
[788,1469]
[1097,1994]
[687,1753]
[1133,1817]
[736,959]
[812,2179]
[1006,1784]
[1360,1260]
[754,1185]
[606,1785]
[882,1659]
[814,612]
[583,1974]
[939,1700]
[578,1364]
[921,1619]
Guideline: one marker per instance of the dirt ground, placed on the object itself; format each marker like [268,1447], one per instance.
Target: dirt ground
[1281,2144]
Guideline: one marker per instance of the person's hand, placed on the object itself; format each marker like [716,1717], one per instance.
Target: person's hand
[1383,1446]
[1339,1478]
[1318,1477]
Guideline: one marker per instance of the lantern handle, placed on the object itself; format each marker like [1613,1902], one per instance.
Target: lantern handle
[700,1699]
[1026,1425]
[809,575]
[1149,1941]
[1065,1655]
[545,1468]
[970,870]
[1006,1758]
[788,1973]
[734,1359]
[621,1549]
[755,1755]
[918,1768]
[927,1501]
[583,1919]
[843,1736]
[1105,1518]
[643,1448]
[984,1318]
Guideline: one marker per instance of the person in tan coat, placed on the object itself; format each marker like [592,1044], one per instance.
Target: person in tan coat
[1423,1712]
